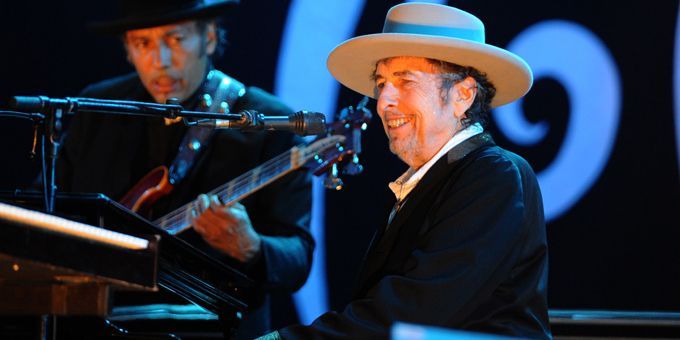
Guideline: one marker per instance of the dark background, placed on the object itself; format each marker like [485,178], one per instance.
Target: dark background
[617,248]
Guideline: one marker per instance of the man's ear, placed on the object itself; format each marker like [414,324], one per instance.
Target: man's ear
[124,40]
[463,94]
[210,38]
[127,56]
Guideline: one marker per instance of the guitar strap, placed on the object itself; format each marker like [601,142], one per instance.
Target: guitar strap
[220,93]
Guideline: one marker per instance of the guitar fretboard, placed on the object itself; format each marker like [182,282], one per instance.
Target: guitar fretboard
[249,182]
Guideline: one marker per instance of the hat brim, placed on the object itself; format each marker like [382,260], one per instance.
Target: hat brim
[152,20]
[353,62]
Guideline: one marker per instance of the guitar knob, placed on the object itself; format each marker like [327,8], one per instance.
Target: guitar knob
[332,181]
[353,167]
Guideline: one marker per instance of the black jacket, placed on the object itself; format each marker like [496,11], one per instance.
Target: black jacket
[467,250]
[109,154]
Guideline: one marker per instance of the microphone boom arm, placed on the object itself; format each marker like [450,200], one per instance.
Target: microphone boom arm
[71,105]
[53,110]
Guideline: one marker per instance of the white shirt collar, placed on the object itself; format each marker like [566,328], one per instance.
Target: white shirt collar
[403,185]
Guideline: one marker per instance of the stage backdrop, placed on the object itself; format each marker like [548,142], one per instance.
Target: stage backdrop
[601,126]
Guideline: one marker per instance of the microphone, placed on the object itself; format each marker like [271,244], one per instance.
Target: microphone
[303,123]
[35,103]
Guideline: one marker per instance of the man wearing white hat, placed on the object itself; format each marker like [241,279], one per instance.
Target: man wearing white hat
[465,245]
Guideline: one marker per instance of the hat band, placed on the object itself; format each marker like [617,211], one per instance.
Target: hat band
[448,32]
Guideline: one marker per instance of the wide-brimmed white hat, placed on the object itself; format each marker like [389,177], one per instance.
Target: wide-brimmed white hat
[436,32]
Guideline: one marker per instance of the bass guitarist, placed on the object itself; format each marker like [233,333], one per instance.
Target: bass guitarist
[171,44]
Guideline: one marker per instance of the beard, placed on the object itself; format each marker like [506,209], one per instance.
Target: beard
[405,149]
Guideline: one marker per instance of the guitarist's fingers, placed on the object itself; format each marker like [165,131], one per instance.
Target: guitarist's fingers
[238,212]
[215,203]
[222,211]
[207,224]
[203,217]
[198,226]
[203,202]
[214,217]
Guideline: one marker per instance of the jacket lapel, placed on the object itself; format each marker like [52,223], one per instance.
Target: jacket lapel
[408,221]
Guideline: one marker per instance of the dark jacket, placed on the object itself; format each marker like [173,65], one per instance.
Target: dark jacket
[109,154]
[467,250]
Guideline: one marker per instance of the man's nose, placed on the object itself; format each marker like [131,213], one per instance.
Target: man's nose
[388,96]
[163,56]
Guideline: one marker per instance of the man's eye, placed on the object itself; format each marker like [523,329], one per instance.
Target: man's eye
[380,85]
[140,44]
[177,39]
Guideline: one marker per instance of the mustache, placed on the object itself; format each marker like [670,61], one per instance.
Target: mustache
[165,75]
[394,113]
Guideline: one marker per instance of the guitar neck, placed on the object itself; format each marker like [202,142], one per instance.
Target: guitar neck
[251,181]
[238,188]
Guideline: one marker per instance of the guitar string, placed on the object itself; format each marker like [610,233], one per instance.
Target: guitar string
[237,185]
[244,181]
[178,215]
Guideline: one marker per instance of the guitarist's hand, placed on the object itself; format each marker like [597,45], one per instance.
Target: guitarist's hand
[227,228]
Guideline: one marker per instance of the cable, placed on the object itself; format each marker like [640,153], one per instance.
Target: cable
[16,114]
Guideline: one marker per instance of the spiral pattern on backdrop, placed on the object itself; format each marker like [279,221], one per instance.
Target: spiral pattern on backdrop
[577,59]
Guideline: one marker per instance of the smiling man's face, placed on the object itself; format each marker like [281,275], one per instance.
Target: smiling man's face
[417,118]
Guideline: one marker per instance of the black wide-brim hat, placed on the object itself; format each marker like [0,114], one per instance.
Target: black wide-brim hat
[136,14]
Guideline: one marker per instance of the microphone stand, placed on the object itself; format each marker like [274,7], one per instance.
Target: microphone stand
[49,125]
[47,115]
[51,131]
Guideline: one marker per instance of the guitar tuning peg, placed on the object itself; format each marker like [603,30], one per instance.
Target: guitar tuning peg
[332,181]
[344,113]
[353,167]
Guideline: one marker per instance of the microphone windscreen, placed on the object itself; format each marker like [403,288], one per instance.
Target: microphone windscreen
[26,104]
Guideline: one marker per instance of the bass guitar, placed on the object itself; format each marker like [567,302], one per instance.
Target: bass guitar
[335,153]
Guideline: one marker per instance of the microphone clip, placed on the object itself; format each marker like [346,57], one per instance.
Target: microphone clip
[250,120]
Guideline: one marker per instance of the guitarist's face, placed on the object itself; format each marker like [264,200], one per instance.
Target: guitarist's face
[171,60]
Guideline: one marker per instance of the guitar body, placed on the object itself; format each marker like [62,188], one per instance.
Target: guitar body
[148,190]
